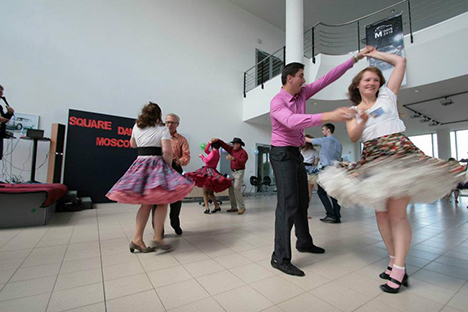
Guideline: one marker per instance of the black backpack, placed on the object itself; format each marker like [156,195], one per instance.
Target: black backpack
[69,204]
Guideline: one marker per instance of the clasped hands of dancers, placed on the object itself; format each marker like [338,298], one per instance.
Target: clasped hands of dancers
[391,173]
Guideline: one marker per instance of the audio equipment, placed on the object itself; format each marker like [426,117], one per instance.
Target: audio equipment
[57,144]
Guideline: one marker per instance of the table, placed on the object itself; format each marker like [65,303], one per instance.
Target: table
[34,156]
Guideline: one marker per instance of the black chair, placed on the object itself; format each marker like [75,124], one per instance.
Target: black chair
[266,182]
[255,182]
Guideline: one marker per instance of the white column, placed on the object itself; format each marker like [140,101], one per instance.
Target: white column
[294,31]
[443,143]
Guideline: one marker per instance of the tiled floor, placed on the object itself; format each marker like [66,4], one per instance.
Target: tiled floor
[81,262]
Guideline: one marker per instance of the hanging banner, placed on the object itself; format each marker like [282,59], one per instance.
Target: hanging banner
[387,36]
[98,153]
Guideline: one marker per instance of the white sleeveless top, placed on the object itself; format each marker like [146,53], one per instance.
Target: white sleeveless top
[150,136]
[387,123]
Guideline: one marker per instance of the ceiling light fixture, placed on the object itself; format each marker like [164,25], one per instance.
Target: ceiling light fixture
[446,102]
[426,119]
[415,115]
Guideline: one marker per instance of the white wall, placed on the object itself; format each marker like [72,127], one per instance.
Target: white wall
[112,56]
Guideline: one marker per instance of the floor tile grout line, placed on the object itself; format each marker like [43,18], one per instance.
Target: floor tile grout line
[61,264]
[456,293]
[100,257]
[88,305]
[48,229]
[146,273]
[247,285]
[6,243]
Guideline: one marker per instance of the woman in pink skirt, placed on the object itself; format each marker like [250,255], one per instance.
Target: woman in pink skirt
[209,178]
[150,180]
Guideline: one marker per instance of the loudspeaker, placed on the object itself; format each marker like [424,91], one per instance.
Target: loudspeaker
[57,143]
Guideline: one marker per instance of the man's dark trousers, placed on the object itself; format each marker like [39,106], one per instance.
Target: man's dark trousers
[293,201]
[332,212]
[175,207]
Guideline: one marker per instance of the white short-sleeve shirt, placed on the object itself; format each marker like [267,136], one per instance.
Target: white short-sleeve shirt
[150,136]
[387,123]
[310,156]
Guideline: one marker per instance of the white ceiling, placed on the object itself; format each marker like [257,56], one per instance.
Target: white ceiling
[273,11]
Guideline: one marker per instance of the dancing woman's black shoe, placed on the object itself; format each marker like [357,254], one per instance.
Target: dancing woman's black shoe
[384,275]
[392,290]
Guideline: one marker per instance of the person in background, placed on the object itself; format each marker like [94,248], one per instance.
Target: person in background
[455,192]
[238,157]
[208,178]
[181,157]
[4,118]
[311,159]
[330,152]
[150,180]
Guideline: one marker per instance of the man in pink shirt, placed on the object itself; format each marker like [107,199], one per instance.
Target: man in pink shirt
[288,120]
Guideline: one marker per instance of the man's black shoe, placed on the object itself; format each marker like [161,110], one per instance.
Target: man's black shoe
[287,268]
[313,249]
[337,221]
[328,219]
[178,231]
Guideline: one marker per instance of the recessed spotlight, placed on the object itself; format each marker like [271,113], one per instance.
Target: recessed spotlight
[393,11]
[416,90]
[315,103]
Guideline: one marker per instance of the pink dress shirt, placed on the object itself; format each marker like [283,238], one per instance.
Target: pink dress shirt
[212,159]
[288,112]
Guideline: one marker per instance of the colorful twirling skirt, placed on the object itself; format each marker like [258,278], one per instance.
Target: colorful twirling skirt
[209,178]
[391,167]
[150,181]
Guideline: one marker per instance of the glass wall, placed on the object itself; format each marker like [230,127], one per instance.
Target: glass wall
[459,142]
[426,143]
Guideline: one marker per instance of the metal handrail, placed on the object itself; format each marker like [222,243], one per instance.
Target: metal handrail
[255,75]
[358,19]
[272,54]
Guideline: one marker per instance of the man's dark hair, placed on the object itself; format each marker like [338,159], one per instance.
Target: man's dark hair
[290,69]
[1,87]
[330,127]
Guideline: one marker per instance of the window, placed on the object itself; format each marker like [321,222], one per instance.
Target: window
[272,67]
[435,146]
[425,143]
[453,145]
[459,142]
